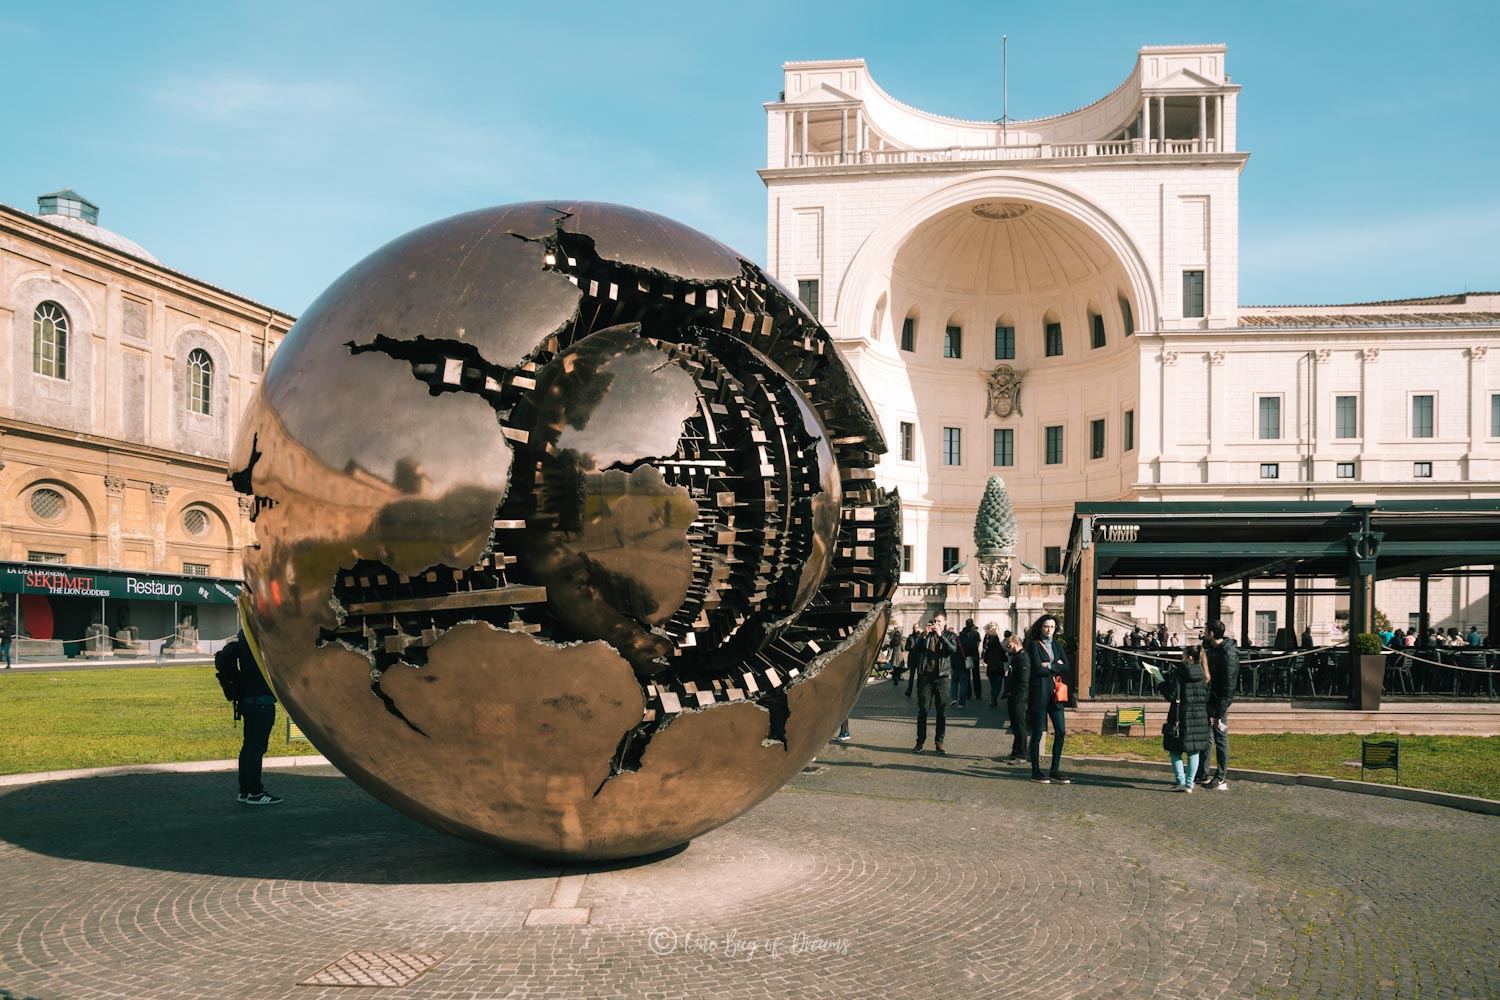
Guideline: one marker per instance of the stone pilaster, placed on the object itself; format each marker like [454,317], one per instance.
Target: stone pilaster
[114,488]
[159,492]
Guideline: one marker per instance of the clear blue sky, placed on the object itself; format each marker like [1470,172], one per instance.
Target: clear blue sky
[267,146]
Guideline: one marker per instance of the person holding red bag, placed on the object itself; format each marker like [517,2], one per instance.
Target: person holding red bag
[1049,664]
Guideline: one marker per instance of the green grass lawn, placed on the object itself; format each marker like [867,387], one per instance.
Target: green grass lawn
[102,718]
[1463,765]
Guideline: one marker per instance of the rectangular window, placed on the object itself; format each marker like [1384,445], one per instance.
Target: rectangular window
[1421,470]
[1054,445]
[1413,621]
[1127,317]
[953,342]
[908,442]
[1054,340]
[952,446]
[194,569]
[1346,416]
[1005,343]
[906,558]
[1270,470]
[1192,294]
[1130,430]
[47,557]
[1265,628]
[1052,559]
[807,291]
[1096,439]
[909,334]
[1345,470]
[1005,446]
[1098,331]
[1269,428]
[1421,416]
[950,559]
[1495,415]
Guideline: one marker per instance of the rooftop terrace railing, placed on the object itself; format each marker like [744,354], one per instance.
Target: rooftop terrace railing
[985,154]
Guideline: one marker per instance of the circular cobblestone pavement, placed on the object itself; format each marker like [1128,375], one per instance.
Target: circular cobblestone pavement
[888,874]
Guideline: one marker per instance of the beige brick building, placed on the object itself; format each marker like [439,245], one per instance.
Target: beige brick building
[121,382]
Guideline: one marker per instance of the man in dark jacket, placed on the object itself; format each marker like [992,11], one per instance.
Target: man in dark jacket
[913,656]
[1223,679]
[895,646]
[939,646]
[257,706]
[1017,697]
[968,642]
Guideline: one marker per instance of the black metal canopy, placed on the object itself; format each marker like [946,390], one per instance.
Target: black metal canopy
[1226,542]
[1333,546]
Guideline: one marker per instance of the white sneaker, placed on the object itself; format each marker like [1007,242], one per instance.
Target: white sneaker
[1182,788]
[1221,785]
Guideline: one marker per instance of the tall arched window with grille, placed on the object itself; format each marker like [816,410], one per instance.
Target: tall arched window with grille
[49,340]
[200,372]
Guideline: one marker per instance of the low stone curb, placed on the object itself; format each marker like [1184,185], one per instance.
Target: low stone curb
[310,760]
[1488,807]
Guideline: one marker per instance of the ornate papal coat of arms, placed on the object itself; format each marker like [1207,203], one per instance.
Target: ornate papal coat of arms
[1004,385]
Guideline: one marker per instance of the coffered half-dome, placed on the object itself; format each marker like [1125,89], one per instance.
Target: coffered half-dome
[1005,248]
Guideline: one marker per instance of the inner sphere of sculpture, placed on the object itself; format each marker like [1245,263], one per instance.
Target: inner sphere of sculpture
[567,536]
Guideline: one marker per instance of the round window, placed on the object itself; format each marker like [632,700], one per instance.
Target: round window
[48,504]
[195,521]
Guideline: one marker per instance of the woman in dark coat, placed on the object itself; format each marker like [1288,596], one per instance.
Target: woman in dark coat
[1049,661]
[1186,734]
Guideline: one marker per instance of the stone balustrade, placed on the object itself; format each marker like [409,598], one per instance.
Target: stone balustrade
[986,154]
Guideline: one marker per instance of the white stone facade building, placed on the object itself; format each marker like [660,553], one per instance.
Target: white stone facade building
[1095,253]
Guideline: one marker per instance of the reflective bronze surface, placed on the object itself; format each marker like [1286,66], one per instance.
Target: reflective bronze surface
[567,534]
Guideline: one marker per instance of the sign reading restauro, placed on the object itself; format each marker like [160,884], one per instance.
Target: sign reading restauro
[72,581]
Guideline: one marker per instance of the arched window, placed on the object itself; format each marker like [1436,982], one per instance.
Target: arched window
[49,340]
[200,372]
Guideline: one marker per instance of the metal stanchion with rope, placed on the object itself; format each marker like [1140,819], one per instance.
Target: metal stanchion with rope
[1244,662]
[1317,650]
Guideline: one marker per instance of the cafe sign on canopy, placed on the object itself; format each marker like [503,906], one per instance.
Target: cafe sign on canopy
[73,581]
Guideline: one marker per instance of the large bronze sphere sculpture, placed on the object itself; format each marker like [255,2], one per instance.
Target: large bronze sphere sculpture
[567,534]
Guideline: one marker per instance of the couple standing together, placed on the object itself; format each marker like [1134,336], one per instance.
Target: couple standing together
[1201,689]
[1031,688]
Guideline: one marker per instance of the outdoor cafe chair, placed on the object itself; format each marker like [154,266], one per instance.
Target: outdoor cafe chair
[1398,664]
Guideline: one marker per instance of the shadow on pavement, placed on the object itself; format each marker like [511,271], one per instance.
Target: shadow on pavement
[973,766]
[328,829]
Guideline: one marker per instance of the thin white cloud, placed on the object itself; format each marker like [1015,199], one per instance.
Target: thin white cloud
[226,96]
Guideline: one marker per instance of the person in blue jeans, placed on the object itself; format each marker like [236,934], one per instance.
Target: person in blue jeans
[5,643]
[1049,661]
[1223,663]
[257,706]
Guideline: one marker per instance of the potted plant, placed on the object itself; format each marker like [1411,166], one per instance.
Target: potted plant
[1367,676]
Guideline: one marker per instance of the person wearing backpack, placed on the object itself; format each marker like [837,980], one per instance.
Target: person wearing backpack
[243,683]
